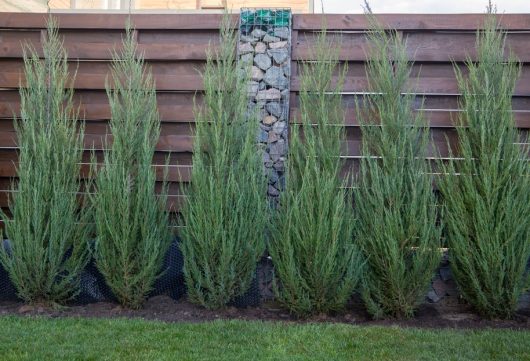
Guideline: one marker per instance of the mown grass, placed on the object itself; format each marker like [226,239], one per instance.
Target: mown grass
[23,338]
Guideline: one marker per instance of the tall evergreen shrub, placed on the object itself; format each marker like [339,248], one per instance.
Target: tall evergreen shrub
[47,232]
[394,200]
[224,218]
[317,265]
[486,189]
[132,226]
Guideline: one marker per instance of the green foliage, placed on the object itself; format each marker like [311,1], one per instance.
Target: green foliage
[224,218]
[131,221]
[316,263]
[486,189]
[394,201]
[47,232]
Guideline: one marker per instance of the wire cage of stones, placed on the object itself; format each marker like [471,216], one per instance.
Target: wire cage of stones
[265,45]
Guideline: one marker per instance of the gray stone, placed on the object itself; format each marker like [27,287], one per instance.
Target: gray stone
[281,183]
[267,161]
[432,297]
[269,119]
[445,273]
[275,78]
[285,93]
[248,39]
[270,39]
[245,48]
[265,127]
[274,109]
[282,32]
[260,48]
[278,45]
[256,73]
[273,137]
[269,94]
[263,136]
[279,55]
[279,165]
[273,191]
[278,148]
[273,176]
[262,61]
[279,127]
[287,69]
[247,58]
[262,85]
[439,287]
[258,33]
[252,88]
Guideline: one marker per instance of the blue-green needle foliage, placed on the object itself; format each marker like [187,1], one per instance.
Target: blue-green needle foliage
[132,224]
[486,190]
[224,217]
[47,232]
[394,201]
[317,265]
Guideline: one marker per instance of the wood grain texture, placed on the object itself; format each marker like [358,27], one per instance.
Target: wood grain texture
[422,22]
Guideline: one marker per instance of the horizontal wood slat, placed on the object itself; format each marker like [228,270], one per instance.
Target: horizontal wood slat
[421,46]
[173,204]
[115,21]
[467,22]
[174,173]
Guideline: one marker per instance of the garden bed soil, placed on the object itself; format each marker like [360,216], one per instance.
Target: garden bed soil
[165,309]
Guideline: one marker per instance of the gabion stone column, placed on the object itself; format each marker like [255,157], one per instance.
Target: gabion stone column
[265,42]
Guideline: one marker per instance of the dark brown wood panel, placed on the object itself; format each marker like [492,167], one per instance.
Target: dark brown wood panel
[94,81]
[173,106]
[115,21]
[425,79]
[350,22]
[421,46]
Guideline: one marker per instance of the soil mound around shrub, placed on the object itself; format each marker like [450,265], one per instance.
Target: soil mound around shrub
[166,309]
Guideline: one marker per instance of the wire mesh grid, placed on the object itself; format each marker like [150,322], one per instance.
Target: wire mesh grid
[265,42]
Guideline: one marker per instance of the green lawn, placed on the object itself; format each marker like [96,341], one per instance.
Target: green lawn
[90,339]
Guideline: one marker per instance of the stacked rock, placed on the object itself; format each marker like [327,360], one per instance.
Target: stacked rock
[265,45]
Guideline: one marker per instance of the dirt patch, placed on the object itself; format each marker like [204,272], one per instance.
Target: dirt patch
[165,309]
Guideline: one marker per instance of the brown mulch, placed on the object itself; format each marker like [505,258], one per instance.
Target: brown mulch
[165,309]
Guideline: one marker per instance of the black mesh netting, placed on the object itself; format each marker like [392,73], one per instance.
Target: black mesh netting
[7,290]
[171,283]
[93,287]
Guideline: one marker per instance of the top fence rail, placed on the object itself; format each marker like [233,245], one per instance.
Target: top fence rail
[462,22]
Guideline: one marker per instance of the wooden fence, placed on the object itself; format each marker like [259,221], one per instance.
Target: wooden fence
[175,46]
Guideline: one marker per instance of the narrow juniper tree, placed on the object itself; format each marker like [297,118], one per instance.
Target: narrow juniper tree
[487,204]
[224,218]
[317,266]
[47,232]
[132,225]
[394,201]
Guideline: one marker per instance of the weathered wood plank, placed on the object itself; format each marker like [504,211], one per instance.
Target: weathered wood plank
[114,21]
[467,22]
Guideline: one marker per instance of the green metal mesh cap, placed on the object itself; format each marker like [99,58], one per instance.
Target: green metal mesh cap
[279,17]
